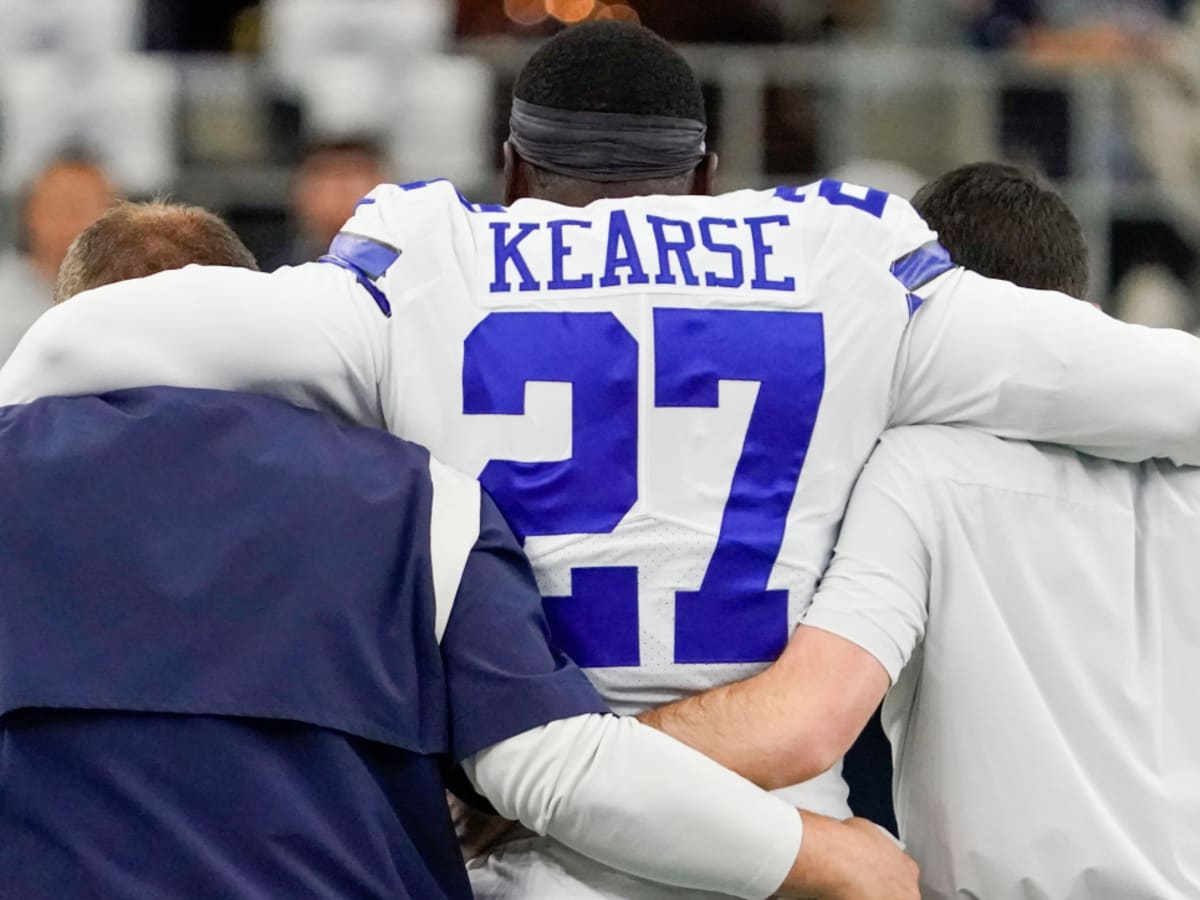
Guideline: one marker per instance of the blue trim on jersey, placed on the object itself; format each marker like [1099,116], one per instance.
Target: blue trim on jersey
[914,303]
[370,256]
[873,202]
[377,295]
[921,266]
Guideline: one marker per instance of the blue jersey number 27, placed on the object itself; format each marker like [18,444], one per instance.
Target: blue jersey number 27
[732,616]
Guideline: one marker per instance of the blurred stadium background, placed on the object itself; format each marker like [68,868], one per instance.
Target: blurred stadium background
[271,112]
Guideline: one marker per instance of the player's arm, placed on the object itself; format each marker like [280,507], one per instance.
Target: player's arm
[793,720]
[1041,366]
[312,337]
[1015,362]
[636,800]
[536,740]
[799,716]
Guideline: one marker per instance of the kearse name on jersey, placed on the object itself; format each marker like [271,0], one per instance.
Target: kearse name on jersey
[628,249]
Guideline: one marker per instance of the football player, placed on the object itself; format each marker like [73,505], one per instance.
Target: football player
[669,395]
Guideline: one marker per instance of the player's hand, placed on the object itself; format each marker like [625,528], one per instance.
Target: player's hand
[851,860]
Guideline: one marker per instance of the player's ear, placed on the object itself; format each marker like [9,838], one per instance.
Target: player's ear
[704,179]
[516,178]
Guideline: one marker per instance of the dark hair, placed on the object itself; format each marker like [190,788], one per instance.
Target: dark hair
[1006,222]
[132,240]
[611,67]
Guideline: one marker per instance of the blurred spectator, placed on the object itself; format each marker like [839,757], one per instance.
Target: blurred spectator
[1036,122]
[69,195]
[332,176]
[133,240]
[1065,31]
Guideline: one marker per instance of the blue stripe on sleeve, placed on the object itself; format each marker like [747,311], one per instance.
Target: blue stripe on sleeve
[369,256]
[923,265]
[377,295]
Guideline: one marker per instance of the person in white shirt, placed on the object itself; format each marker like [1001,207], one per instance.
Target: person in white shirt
[1032,611]
[669,394]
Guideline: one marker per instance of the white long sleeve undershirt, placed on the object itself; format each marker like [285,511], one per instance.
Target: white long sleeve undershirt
[634,799]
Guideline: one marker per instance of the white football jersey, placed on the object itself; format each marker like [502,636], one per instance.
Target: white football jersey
[1037,612]
[669,397]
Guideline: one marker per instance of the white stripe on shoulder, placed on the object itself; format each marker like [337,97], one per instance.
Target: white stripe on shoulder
[453,531]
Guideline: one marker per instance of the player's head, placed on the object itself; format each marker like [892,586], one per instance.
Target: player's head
[606,109]
[132,240]
[1005,222]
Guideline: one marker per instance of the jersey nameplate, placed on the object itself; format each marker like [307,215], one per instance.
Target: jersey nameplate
[631,249]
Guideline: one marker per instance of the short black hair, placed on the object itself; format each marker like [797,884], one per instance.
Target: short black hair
[605,66]
[1007,222]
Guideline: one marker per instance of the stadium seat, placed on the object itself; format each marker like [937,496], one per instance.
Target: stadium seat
[442,124]
[78,27]
[344,95]
[434,112]
[119,109]
[299,33]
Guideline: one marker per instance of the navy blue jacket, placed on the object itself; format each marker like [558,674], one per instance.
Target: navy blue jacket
[219,672]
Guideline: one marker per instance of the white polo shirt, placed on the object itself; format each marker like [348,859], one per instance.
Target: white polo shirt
[1039,614]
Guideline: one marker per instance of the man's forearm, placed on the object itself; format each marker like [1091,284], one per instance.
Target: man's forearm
[746,727]
[790,722]
[850,860]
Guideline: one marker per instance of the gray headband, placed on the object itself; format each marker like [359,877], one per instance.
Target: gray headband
[601,146]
